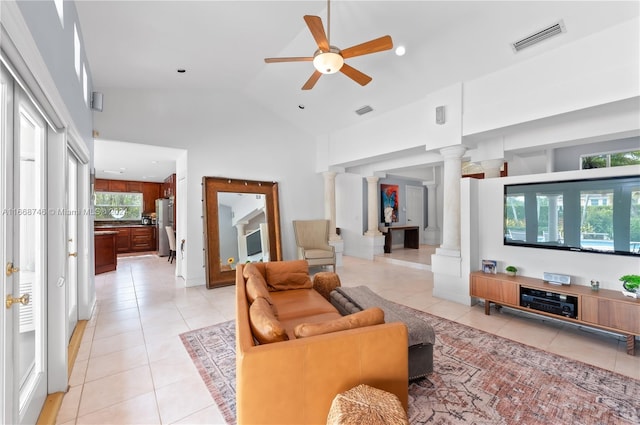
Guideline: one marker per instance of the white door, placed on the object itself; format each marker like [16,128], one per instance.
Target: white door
[24,252]
[415,208]
[72,241]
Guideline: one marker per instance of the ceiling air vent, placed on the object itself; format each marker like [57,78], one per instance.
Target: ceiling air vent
[538,36]
[364,110]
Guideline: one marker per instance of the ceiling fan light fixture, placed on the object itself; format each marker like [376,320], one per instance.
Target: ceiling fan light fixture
[328,62]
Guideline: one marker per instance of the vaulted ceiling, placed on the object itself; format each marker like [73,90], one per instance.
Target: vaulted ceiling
[222,45]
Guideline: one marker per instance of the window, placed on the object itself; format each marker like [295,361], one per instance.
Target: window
[85,88]
[60,9]
[612,159]
[598,215]
[76,50]
[118,206]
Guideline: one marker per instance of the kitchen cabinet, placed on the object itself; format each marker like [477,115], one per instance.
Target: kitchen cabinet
[123,240]
[135,187]
[101,185]
[106,259]
[150,192]
[143,239]
[106,185]
[169,187]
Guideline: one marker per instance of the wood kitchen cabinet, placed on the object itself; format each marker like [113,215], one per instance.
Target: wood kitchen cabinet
[123,240]
[143,239]
[106,259]
[150,192]
[106,185]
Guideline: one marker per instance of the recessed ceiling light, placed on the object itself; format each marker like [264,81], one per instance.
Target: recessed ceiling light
[154,162]
[182,71]
[400,51]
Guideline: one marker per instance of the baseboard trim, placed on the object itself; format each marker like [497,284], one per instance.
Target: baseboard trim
[49,412]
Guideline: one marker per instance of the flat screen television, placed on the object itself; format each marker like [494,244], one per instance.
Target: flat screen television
[254,243]
[588,215]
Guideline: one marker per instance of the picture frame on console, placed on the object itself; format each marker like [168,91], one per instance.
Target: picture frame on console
[490,266]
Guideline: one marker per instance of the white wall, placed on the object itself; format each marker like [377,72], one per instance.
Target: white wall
[595,70]
[349,213]
[533,262]
[265,149]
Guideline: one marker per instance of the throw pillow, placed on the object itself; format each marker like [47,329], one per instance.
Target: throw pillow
[368,317]
[264,325]
[285,275]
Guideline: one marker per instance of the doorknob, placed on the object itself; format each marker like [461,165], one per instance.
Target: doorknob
[73,254]
[24,300]
[11,270]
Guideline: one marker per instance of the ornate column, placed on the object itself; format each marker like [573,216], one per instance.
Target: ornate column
[491,168]
[432,232]
[451,217]
[330,203]
[372,207]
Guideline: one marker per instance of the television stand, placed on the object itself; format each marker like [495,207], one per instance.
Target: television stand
[603,309]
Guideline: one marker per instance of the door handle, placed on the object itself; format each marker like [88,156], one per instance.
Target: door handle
[11,270]
[73,254]
[24,300]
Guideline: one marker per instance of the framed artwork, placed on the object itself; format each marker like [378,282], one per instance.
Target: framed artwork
[489,266]
[389,201]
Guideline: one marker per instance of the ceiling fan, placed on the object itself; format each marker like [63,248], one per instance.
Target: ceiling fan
[329,59]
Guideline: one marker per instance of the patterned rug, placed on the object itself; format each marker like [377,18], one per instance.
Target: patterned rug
[478,378]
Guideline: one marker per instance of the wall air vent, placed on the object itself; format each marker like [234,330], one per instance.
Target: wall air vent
[364,110]
[538,36]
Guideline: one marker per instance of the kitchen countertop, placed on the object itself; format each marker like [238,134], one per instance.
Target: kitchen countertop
[115,226]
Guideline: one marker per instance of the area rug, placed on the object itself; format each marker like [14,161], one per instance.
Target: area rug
[478,378]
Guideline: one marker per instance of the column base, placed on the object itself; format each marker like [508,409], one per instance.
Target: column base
[448,282]
[432,236]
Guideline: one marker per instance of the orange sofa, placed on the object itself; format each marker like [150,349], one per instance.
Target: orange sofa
[295,352]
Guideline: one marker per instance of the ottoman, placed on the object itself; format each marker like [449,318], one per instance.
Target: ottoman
[421,335]
[367,406]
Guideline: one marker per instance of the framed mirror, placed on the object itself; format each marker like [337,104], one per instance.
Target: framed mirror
[241,224]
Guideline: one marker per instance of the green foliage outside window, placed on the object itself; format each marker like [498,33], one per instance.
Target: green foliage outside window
[118,206]
[611,160]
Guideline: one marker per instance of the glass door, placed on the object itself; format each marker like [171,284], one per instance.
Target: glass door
[24,230]
[72,241]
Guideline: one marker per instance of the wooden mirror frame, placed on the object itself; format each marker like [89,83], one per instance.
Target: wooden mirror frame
[210,188]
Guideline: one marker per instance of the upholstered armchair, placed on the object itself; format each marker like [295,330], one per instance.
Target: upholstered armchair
[312,239]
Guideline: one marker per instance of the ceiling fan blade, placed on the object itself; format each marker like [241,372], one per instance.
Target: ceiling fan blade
[317,31]
[293,59]
[371,46]
[312,80]
[357,76]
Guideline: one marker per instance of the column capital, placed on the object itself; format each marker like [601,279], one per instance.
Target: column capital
[329,175]
[453,152]
[373,179]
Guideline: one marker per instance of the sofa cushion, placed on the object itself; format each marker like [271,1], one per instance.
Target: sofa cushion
[253,268]
[257,287]
[368,317]
[264,325]
[286,275]
[300,303]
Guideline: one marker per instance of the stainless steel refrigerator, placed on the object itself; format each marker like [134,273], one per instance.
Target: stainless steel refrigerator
[164,217]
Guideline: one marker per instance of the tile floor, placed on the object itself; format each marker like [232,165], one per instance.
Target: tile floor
[133,369]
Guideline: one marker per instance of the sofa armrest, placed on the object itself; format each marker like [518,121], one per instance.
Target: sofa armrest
[325,282]
[295,381]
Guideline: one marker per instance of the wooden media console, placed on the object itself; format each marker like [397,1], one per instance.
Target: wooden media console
[604,309]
